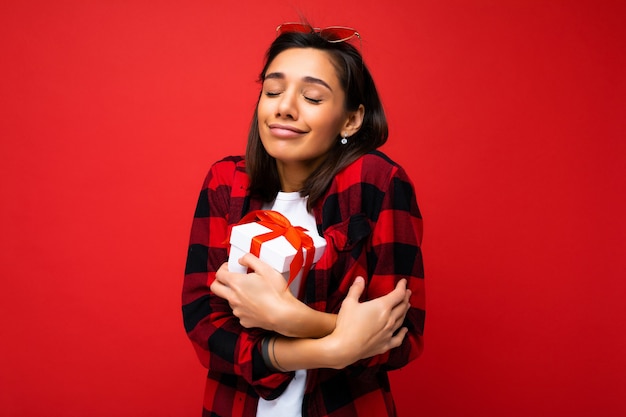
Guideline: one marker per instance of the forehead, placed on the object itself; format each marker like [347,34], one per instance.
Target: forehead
[299,63]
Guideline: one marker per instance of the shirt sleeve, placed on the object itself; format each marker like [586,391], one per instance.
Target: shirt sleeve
[396,243]
[221,343]
[395,253]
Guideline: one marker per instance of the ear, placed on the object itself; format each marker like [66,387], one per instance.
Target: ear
[354,121]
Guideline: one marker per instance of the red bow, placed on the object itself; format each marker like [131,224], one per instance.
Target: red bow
[281,226]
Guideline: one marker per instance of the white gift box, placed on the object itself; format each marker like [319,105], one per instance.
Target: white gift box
[278,252]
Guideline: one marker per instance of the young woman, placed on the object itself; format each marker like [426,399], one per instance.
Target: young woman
[325,347]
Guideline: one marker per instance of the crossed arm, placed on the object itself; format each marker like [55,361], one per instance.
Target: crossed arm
[310,338]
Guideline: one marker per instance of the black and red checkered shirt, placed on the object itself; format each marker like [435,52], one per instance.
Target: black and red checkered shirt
[371,222]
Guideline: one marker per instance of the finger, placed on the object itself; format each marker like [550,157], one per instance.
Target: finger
[398,294]
[397,325]
[356,289]
[399,311]
[406,303]
[401,285]
[222,275]
[221,290]
[397,339]
[400,318]
[252,262]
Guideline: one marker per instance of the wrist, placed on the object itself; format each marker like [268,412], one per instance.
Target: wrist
[297,319]
[334,353]
[285,316]
[288,354]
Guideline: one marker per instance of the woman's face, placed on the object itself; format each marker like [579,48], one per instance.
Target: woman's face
[301,111]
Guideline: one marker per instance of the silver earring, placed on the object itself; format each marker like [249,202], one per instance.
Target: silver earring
[344,139]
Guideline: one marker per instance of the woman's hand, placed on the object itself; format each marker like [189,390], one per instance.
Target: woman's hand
[262,299]
[370,328]
[258,299]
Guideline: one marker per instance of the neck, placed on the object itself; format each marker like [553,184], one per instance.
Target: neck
[293,176]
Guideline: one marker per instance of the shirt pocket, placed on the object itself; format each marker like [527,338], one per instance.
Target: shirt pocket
[348,241]
[350,233]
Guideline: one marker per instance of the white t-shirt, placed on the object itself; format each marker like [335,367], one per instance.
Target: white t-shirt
[289,403]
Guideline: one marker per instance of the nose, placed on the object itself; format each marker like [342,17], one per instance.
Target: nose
[287,106]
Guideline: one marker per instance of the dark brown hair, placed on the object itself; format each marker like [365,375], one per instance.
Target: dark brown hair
[359,88]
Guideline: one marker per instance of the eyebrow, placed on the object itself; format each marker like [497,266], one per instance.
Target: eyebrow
[307,79]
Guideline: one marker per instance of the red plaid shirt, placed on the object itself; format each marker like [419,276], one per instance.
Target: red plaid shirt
[372,225]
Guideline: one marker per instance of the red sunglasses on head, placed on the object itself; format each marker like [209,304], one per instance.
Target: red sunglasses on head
[332,34]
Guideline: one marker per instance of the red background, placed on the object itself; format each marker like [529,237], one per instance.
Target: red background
[508,115]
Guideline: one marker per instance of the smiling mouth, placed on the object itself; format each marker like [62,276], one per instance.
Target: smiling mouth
[285,127]
[285,131]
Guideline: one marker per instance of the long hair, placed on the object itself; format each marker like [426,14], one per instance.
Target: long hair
[359,88]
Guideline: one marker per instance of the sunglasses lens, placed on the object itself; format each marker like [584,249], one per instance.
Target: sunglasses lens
[331,34]
[293,27]
[337,34]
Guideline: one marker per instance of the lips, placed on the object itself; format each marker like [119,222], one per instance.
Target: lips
[285,131]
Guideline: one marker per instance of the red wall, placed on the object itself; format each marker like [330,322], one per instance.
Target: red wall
[509,116]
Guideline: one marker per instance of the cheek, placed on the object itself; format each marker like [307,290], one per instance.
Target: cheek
[260,108]
[327,121]
[265,105]
[331,127]
[262,115]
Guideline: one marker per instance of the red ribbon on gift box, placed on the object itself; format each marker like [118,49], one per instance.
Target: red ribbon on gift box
[280,226]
